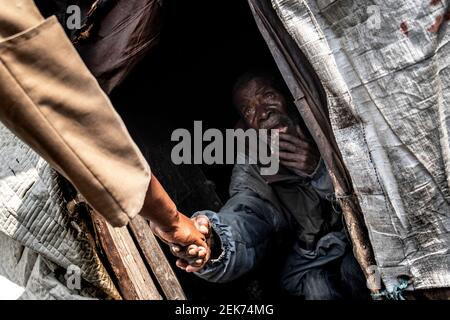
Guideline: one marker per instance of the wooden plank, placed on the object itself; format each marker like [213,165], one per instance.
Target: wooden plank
[133,278]
[156,259]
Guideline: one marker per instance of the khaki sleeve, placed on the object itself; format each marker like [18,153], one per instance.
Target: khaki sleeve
[50,100]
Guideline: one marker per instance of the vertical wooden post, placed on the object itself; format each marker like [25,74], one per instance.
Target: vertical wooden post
[133,278]
[156,259]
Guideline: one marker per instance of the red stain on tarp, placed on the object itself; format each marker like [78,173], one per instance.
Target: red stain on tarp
[437,24]
[404,28]
[439,19]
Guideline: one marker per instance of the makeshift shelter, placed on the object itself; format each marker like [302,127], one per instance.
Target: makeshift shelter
[369,79]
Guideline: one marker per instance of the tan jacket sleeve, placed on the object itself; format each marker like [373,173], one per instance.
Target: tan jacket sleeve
[50,100]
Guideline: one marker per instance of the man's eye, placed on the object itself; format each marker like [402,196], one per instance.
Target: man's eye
[270,95]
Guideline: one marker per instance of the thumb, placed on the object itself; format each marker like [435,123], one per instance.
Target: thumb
[301,134]
[201,241]
[198,238]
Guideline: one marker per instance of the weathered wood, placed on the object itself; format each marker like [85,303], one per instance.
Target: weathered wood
[133,278]
[156,259]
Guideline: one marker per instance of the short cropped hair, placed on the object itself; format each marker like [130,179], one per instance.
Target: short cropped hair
[275,81]
[248,76]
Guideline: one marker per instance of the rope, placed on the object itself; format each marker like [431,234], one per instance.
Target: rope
[395,294]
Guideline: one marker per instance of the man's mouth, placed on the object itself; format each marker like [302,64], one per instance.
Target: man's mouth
[275,121]
[271,122]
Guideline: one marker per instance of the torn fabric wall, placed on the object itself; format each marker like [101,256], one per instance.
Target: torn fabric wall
[121,39]
[34,224]
[385,69]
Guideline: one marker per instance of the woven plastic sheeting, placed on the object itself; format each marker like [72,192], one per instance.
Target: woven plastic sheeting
[33,215]
[385,69]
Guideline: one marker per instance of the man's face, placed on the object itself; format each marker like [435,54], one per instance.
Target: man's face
[262,106]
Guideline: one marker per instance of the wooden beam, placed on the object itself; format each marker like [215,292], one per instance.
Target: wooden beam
[156,259]
[131,274]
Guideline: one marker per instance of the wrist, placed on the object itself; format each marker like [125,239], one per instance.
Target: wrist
[172,223]
[159,208]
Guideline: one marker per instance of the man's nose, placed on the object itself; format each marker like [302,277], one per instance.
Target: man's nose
[262,110]
[264,115]
[265,112]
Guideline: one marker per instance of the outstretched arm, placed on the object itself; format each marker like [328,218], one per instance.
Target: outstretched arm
[243,230]
[166,221]
[54,104]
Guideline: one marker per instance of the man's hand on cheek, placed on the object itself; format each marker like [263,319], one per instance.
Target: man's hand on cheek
[193,258]
[298,153]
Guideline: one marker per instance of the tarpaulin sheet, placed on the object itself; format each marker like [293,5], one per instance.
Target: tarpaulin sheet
[36,231]
[384,66]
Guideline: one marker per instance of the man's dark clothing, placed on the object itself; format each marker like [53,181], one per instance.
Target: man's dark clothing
[263,209]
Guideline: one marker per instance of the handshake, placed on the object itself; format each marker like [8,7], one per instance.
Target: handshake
[190,240]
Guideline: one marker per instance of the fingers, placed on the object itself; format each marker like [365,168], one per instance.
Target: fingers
[289,138]
[296,141]
[192,251]
[287,146]
[175,249]
[184,265]
[202,253]
[199,241]
[202,224]
[193,254]
[302,135]
[283,130]
[292,157]
[293,166]
[191,268]
[290,164]
[191,264]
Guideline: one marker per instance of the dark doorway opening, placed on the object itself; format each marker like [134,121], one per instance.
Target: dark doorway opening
[205,46]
